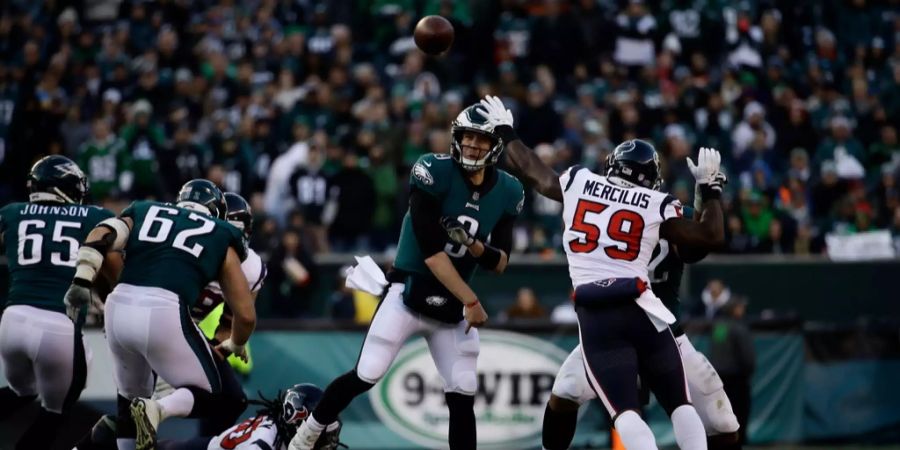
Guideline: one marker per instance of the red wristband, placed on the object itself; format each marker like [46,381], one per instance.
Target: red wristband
[476,302]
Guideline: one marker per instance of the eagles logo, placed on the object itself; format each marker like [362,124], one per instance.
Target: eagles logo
[292,414]
[422,174]
[521,204]
[435,300]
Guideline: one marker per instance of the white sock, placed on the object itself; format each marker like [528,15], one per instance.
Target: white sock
[635,433]
[177,404]
[689,432]
[314,425]
[684,344]
[125,443]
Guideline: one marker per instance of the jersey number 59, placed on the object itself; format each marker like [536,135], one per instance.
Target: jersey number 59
[625,227]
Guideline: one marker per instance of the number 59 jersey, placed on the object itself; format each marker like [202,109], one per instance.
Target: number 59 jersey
[41,243]
[176,249]
[611,229]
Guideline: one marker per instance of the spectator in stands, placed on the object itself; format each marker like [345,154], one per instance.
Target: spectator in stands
[732,354]
[292,273]
[309,187]
[526,307]
[144,140]
[714,296]
[748,129]
[353,193]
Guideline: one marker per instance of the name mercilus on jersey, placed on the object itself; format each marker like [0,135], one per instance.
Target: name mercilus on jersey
[602,191]
[69,210]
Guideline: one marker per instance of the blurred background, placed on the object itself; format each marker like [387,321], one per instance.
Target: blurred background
[315,110]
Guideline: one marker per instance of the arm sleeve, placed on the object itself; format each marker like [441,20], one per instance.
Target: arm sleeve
[502,235]
[425,212]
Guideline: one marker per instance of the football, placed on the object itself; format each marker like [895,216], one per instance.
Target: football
[433,35]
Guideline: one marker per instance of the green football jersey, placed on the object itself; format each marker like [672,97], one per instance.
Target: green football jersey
[439,176]
[41,242]
[176,249]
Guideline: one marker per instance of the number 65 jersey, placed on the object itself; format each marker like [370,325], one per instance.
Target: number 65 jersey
[611,227]
[41,243]
[176,249]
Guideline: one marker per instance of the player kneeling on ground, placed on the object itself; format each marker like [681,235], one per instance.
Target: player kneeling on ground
[270,429]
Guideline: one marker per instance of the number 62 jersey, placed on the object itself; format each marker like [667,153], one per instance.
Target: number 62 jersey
[176,249]
[41,243]
[611,228]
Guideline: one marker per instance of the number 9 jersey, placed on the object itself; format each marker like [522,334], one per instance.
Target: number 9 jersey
[176,249]
[611,227]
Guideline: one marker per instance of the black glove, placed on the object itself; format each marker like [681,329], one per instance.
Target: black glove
[77,297]
[457,231]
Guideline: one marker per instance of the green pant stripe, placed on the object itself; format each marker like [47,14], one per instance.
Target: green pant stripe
[199,346]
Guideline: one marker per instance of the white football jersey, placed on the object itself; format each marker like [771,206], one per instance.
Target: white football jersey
[255,433]
[255,271]
[611,228]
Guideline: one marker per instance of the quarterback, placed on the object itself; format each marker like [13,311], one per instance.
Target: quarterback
[461,214]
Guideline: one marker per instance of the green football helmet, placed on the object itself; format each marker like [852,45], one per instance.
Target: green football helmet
[202,196]
[470,120]
[56,179]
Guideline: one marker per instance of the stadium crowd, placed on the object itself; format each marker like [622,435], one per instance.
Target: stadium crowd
[315,110]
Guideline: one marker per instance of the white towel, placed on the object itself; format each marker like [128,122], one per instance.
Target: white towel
[656,310]
[366,276]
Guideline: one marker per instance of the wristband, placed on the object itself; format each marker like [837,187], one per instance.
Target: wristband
[473,304]
[506,133]
[708,193]
[489,258]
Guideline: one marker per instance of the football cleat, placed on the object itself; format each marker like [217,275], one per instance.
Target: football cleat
[146,414]
[305,439]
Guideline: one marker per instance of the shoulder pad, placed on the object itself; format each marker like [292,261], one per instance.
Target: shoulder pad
[431,173]
[515,193]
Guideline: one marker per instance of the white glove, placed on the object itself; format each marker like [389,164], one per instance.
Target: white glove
[719,181]
[708,161]
[495,112]
[228,347]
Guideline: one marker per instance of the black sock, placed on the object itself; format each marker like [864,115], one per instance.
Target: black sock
[338,396]
[102,435]
[42,431]
[728,441]
[10,402]
[125,428]
[206,404]
[462,421]
[559,428]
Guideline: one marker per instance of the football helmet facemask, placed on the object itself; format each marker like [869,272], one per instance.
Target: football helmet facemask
[239,213]
[470,120]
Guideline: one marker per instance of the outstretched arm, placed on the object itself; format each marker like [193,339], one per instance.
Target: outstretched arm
[523,163]
[709,232]
[526,166]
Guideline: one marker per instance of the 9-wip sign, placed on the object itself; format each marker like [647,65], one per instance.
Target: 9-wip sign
[515,376]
